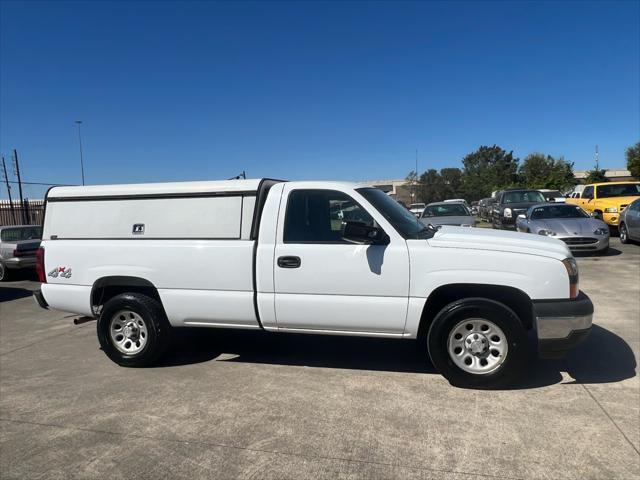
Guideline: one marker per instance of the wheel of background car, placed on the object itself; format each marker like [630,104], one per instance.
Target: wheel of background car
[133,330]
[624,235]
[597,214]
[3,272]
[478,343]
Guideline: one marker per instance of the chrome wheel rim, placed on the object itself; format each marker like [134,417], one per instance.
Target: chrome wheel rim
[128,332]
[477,346]
[623,234]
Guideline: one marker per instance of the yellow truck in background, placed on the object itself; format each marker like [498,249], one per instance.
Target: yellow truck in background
[607,200]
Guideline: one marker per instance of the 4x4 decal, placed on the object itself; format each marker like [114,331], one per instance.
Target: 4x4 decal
[60,272]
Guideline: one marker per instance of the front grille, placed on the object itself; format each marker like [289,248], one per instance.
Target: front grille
[579,240]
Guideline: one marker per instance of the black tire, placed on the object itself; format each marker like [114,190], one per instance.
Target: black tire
[516,357]
[624,233]
[156,323]
[597,214]
[4,273]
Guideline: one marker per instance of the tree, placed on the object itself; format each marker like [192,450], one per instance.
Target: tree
[633,160]
[597,175]
[544,171]
[488,169]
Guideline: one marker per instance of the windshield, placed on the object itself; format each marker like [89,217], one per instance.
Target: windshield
[446,210]
[558,211]
[21,233]
[619,190]
[523,197]
[402,220]
[553,194]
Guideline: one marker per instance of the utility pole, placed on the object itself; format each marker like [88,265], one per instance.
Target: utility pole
[597,158]
[17,172]
[6,179]
[79,122]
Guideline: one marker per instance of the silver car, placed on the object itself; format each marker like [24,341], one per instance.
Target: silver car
[18,246]
[447,213]
[568,223]
[629,223]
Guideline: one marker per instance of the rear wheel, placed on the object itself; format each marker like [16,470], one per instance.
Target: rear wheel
[4,272]
[478,343]
[624,234]
[133,330]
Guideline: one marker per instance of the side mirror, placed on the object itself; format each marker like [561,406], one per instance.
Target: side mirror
[522,216]
[358,232]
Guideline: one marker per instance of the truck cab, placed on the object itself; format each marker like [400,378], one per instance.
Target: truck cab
[310,257]
[606,201]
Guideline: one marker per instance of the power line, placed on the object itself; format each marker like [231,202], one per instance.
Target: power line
[40,183]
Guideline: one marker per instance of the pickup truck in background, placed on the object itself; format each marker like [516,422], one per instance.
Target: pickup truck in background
[309,257]
[606,201]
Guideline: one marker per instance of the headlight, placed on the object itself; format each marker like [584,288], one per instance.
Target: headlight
[507,213]
[611,210]
[601,231]
[549,233]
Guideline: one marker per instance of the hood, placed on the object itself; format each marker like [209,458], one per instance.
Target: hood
[451,220]
[617,201]
[519,205]
[499,241]
[568,227]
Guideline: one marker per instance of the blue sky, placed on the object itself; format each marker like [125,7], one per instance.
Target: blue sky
[198,90]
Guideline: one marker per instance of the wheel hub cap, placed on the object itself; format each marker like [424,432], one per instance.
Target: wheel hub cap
[128,332]
[477,346]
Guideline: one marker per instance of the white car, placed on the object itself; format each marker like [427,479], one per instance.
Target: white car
[310,257]
[552,195]
[417,208]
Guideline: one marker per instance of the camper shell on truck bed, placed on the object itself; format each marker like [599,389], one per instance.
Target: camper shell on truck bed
[311,257]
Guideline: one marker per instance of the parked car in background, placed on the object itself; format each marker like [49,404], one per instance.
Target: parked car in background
[18,247]
[511,203]
[574,195]
[553,195]
[629,223]
[457,200]
[474,208]
[416,208]
[607,201]
[485,207]
[447,213]
[568,223]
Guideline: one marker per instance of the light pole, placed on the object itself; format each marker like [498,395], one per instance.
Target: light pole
[79,122]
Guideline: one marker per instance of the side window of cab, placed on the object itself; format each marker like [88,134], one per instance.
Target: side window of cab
[316,216]
[588,192]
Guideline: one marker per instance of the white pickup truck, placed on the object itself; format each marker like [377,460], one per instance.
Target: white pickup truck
[309,257]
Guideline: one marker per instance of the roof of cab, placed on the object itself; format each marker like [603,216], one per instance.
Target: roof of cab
[151,189]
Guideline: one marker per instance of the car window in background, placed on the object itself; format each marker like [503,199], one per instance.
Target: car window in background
[402,220]
[558,211]
[446,210]
[520,197]
[21,233]
[620,190]
[553,194]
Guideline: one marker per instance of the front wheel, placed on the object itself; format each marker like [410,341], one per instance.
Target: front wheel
[133,330]
[478,343]
[624,235]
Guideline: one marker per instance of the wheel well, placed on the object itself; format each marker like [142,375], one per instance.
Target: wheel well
[105,288]
[515,299]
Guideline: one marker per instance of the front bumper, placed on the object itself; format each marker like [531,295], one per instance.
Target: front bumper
[562,324]
[584,244]
[611,219]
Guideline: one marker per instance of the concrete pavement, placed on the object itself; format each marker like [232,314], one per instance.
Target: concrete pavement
[235,404]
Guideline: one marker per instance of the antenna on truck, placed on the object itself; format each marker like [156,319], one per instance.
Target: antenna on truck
[242,175]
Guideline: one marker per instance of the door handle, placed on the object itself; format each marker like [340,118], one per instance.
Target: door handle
[288,262]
